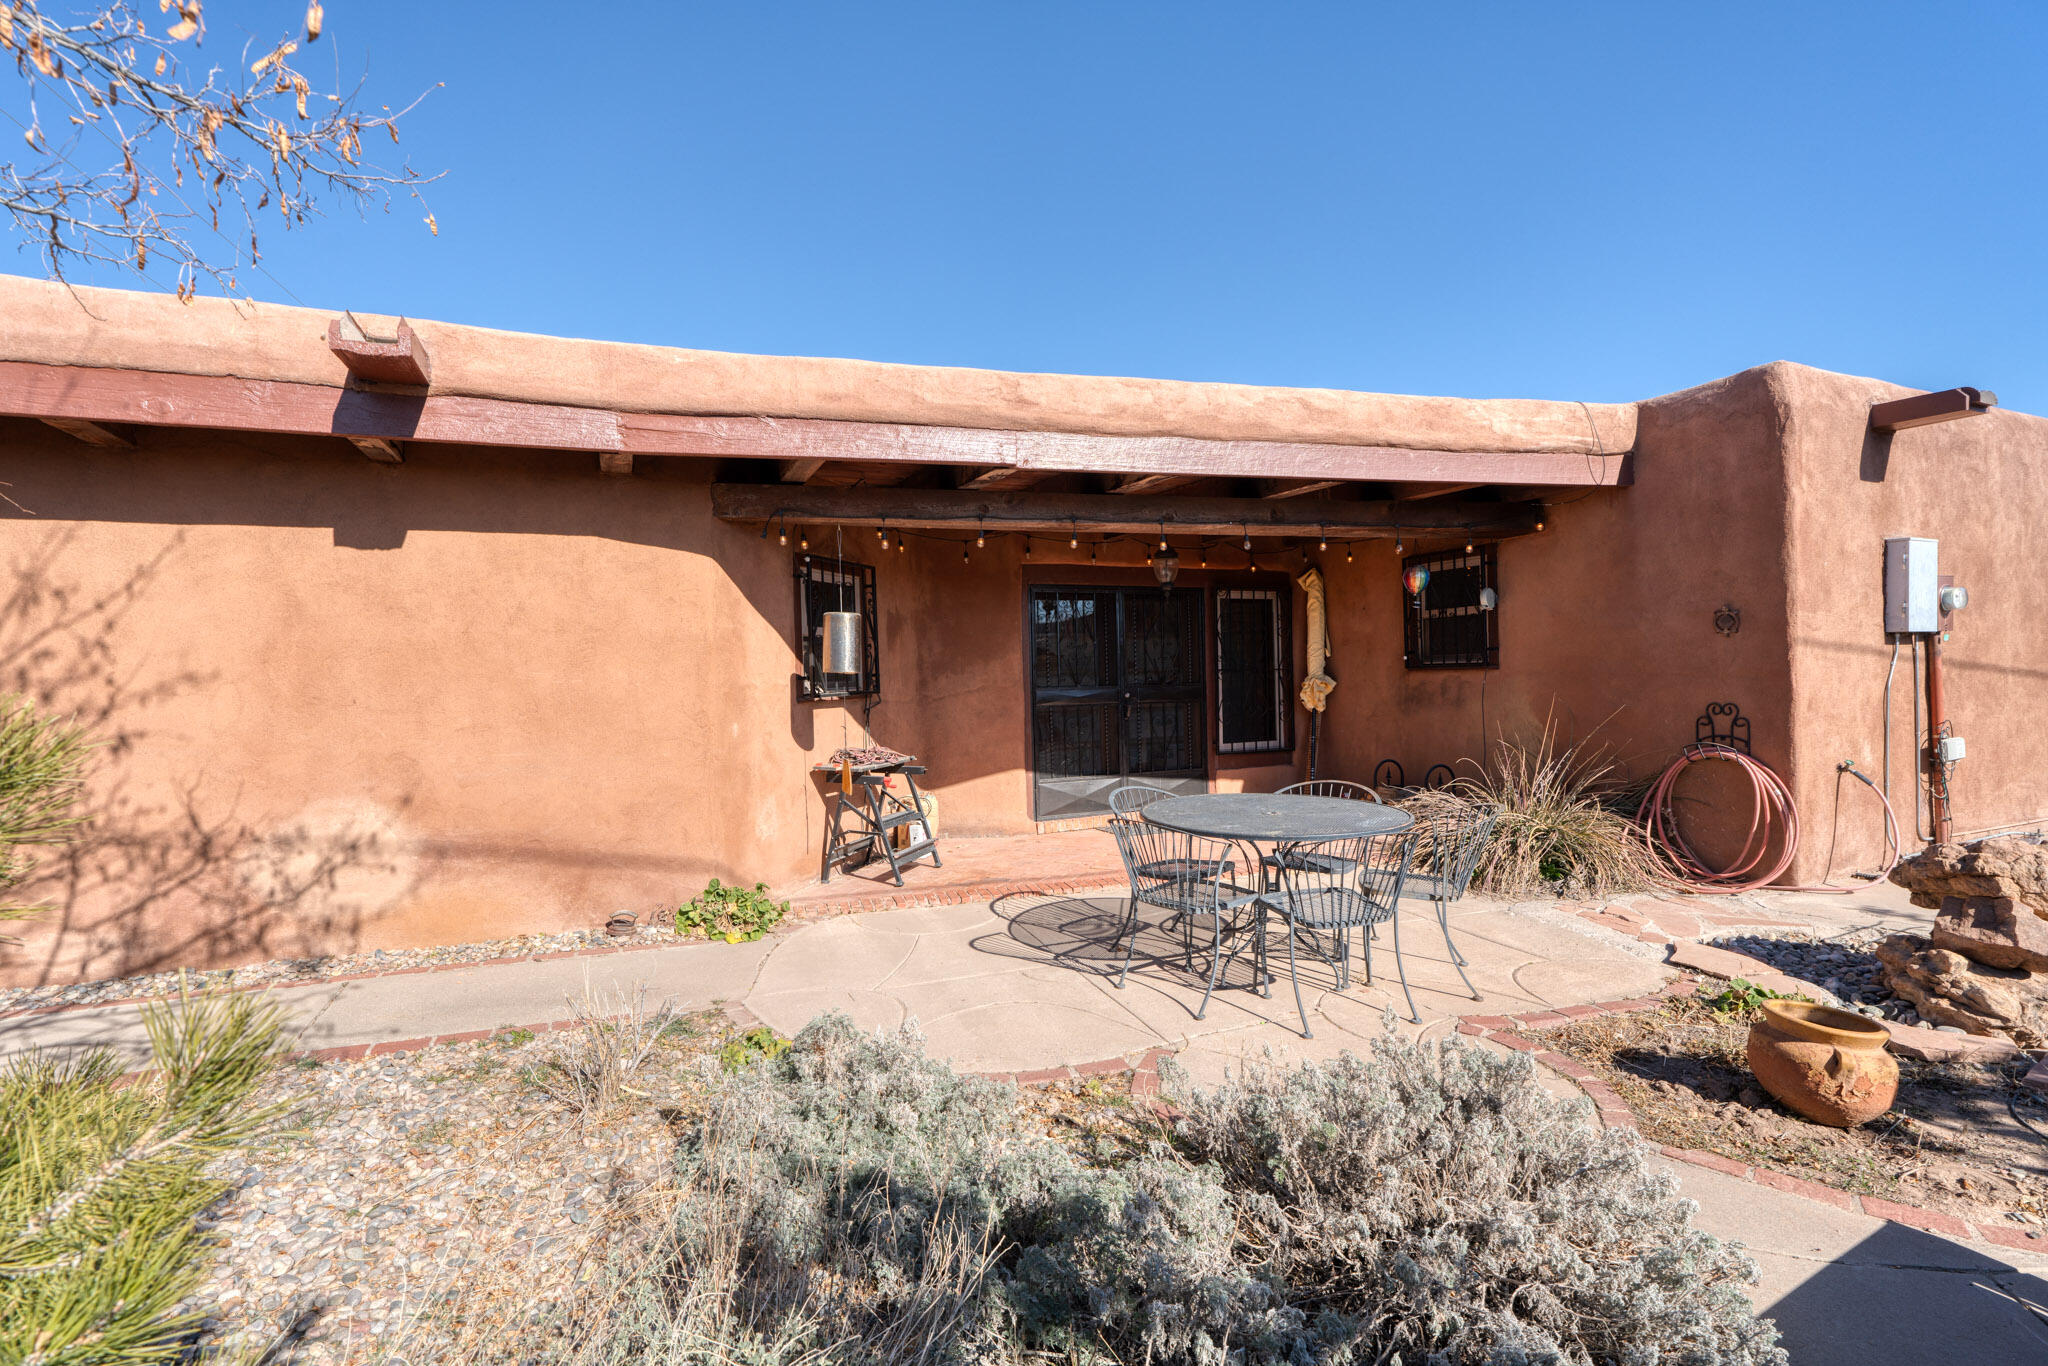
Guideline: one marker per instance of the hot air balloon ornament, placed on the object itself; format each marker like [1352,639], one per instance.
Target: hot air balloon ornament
[1416,579]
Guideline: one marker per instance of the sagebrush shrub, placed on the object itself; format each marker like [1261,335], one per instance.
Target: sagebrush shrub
[853,1201]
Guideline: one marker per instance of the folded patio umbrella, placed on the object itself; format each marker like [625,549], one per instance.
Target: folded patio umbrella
[1317,687]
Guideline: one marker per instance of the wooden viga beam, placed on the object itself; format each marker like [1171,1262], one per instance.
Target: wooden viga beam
[954,509]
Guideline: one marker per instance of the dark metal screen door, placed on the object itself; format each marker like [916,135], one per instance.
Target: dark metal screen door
[1116,695]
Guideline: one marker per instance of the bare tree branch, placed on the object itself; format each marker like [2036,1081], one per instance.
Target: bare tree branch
[119,121]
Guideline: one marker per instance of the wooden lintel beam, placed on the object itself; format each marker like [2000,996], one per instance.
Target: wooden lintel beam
[800,471]
[1432,491]
[614,462]
[1109,512]
[1151,483]
[91,433]
[377,448]
[222,402]
[1296,488]
[1920,410]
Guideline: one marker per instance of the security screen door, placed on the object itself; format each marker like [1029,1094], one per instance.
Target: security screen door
[1116,695]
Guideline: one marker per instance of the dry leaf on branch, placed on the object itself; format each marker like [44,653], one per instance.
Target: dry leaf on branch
[313,18]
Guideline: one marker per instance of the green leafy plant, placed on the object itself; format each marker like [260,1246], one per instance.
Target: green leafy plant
[101,1182]
[755,1045]
[734,914]
[1742,996]
[42,771]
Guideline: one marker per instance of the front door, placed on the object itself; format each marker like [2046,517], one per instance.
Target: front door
[1116,695]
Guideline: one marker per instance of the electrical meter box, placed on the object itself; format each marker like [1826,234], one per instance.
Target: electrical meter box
[1912,586]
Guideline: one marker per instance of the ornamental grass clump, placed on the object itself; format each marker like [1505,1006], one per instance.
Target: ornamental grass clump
[1563,825]
[854,1202]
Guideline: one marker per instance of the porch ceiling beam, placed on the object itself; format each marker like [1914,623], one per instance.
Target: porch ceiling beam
[91,433]
[1432,491]
[1152,483]
[1109,512]
[1297,488]
[800,471]
[221,402]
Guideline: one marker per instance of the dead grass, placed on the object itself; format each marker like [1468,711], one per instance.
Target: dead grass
[1949,1143]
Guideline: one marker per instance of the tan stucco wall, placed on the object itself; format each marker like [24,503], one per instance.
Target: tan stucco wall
[1606,617]
[1980,486]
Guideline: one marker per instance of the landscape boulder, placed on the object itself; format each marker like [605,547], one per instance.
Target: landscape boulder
[1994,930]
[2008,867]
[1947,988]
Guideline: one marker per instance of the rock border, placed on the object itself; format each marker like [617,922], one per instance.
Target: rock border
[1614,1113]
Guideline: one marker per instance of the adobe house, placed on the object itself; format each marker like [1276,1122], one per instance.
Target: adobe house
[404,632]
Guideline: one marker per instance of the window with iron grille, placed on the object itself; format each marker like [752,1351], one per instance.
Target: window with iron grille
[824,584]
[1446,627]
[1254,687]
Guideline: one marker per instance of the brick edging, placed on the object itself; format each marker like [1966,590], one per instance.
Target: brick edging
[1614,1113]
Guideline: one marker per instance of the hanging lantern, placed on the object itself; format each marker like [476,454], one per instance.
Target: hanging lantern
[1416,579]
[842,643]
[1165,565]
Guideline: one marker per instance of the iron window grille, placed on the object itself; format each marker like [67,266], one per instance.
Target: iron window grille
[825,584]
[1254,668]
[1445,626]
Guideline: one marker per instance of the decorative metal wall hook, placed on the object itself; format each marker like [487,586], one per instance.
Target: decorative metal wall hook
[1728,619]
[1722,724]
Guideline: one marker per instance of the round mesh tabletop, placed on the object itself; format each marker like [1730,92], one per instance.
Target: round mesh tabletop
[1272,818]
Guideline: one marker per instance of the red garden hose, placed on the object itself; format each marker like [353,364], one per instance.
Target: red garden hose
[1772,812]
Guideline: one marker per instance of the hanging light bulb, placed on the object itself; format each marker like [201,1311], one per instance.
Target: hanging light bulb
[902,544]
[1027,547]
[1073,542]
[1205,557]
[1398,547]
[1324,543]
[1347,552]
[1247,541]
[980,538]
[782,535]
[1468,545]
[963,552]
[883,532]
[1539,526]
[803,540]
[1091,553]
[1162,534]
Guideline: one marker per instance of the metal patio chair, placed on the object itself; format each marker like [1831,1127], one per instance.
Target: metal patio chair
[1293,857]
[1190,877]
[1324,907]
[1131,799]
[1448,854]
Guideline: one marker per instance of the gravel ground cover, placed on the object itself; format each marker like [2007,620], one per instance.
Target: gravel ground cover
[420,1196]
[285,970]
[1956,1140]
[410,1178]
[1844,964]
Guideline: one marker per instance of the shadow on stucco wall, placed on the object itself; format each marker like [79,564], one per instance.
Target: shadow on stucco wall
[163,874]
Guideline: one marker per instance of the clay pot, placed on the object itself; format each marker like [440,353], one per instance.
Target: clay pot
[1826,1064]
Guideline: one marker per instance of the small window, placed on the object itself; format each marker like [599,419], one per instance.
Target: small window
[1254,693]
[1446,627]
[830,585]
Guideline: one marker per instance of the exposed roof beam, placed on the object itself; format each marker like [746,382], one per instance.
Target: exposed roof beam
[92,433]
[1152,483]
[379,449]
[1296,488]
[380,360]
[614,462]
[1106,512]
[166,399]
[1920,410]
[800,471]
[1003,477]
[1432,491]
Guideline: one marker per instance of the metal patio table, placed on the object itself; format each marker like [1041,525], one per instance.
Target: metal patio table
[1253,819]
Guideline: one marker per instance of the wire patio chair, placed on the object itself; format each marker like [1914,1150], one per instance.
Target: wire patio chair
[1322,908]
[1293,856]
[1130,800]
[1190,877]
[1447,854]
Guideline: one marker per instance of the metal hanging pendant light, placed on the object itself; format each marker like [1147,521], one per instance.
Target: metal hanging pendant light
[842,643]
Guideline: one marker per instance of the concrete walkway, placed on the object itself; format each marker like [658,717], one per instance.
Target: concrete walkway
[1027,982]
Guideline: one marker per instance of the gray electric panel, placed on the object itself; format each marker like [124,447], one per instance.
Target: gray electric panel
[1912,586]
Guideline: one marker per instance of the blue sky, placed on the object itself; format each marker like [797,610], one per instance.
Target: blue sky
[1583,201]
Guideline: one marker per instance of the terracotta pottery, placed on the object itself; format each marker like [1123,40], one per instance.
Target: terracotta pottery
[1826,1064]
